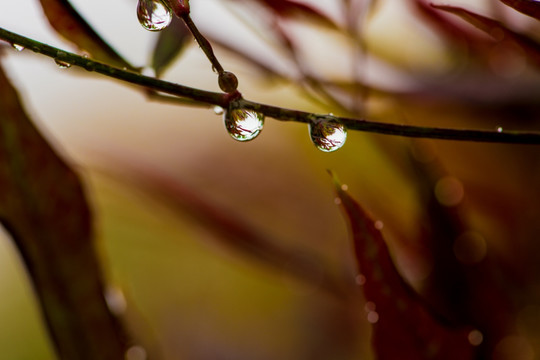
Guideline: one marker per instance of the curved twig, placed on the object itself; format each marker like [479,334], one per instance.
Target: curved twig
[278,113]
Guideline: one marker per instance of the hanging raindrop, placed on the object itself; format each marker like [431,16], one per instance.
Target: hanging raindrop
[327,134]
[17,47]
[153,15]
[242,124]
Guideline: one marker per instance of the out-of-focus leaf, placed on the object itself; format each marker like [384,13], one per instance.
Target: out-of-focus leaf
[527,7]
[70,24]
[497,30]
[234,232]
[170,44]
[451,31]
[403,327]
[291,8]
[461,284]
[43,206]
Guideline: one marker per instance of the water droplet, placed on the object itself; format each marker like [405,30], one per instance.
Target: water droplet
[337,201]
[61,60]
[344,187]
[153,15]
[17,47]
[500,129]
[378,225]
[327,134]
[62,64]
[149,71]
[218,110]
[242,124]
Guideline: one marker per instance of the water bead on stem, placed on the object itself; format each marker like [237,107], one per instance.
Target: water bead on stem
[242,124]
[327,133]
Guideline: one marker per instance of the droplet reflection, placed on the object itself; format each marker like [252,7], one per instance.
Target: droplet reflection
[242,124]
[17,47]
[153,15]
[327,134]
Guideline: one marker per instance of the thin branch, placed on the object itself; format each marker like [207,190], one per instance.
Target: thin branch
[278,113]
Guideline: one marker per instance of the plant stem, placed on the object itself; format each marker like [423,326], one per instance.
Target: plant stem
[278,113]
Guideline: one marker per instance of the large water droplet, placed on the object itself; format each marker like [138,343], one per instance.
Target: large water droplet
[153,15]
[327,134]
[242,124]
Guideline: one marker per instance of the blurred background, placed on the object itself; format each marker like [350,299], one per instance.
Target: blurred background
[156,172]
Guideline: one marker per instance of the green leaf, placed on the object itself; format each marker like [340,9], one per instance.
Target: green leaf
[67,22]
[403,327]
[171,43]
[527,7]
[43,207]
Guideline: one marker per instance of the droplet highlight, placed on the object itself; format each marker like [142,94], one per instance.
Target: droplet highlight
[500,129]
[218,110]
[327,134]
[17,47]
[242,124]
[153,15]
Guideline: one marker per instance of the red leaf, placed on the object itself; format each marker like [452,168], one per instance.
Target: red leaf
[497,30]
[291,8]
[527,7]
[403,327]
[71,25]
[43,207]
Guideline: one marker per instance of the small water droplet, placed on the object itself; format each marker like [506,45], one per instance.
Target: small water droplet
[153,15]
[149,71]
[242,124]
[17,47]
[327,134]
[378,225]
[61,60]
[62,64]
[344,187]
[218,110]
[500,129]
[337,201]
